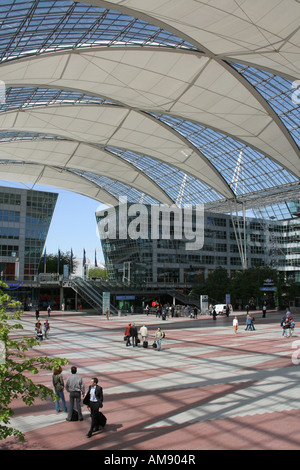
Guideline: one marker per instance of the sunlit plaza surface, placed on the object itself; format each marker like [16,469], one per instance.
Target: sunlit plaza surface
[206,389]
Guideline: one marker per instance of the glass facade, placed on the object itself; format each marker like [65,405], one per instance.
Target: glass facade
[167,261]
[25,217]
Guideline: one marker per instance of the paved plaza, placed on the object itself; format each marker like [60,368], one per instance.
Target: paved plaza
[206,389]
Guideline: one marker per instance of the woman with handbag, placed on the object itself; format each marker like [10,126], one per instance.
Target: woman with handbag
[58,385]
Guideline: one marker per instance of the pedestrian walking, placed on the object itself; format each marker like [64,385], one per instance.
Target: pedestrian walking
[75,387]
[58,385]
[235,325]
[249,323]
[107,314]
[227,310]
[290,322]
[158,311]
[286,325]
[37,313]
[133,335]
[159,335]
[127,334]
[264,311]
[252,321]
[49,310]
[46,329]
[94,401]
[38,331]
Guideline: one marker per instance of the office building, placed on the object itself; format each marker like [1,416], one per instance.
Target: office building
[25,217]
[233,242]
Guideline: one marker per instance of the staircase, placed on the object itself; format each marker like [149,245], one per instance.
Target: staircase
[186,299]
[90,293]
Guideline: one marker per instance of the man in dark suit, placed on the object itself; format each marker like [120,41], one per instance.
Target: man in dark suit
[94,400]
[134,334]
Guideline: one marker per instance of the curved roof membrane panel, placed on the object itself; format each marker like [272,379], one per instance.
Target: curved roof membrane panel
[265,33]
[155,98]
[55,177]
[182,84]
[117,127]
[73,155]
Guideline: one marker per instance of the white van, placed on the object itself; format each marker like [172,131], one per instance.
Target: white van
[221,309]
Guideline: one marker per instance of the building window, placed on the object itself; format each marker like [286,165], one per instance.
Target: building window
[9,216]
[9,250]
[9,232]
[12,199]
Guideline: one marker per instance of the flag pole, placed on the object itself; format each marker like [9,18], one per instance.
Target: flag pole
[45,261]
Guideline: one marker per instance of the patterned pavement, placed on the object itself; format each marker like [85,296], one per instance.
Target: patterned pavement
[206,389]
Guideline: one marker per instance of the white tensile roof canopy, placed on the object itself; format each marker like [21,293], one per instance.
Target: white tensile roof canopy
[166,101]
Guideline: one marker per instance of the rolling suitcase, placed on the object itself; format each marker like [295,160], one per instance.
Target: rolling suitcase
[145,344]
[101,421]
[74,416]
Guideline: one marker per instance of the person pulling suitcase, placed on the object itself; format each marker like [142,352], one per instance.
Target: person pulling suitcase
[94,400]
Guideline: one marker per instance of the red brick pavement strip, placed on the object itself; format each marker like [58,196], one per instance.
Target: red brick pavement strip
[269,431]
[130,413]
[129,433]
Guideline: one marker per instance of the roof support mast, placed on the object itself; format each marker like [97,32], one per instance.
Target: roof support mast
[240,232]
[181,191]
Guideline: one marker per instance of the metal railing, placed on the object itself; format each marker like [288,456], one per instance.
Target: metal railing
[90,293]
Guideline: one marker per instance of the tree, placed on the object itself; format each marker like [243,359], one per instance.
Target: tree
[98,273]
[15,367]
[248,283]
[288,292]
[53,266]
[216,286]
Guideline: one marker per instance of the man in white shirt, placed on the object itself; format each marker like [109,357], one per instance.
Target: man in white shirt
[95,397]
[144,333]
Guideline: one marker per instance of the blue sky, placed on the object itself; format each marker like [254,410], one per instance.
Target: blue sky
[73,224]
